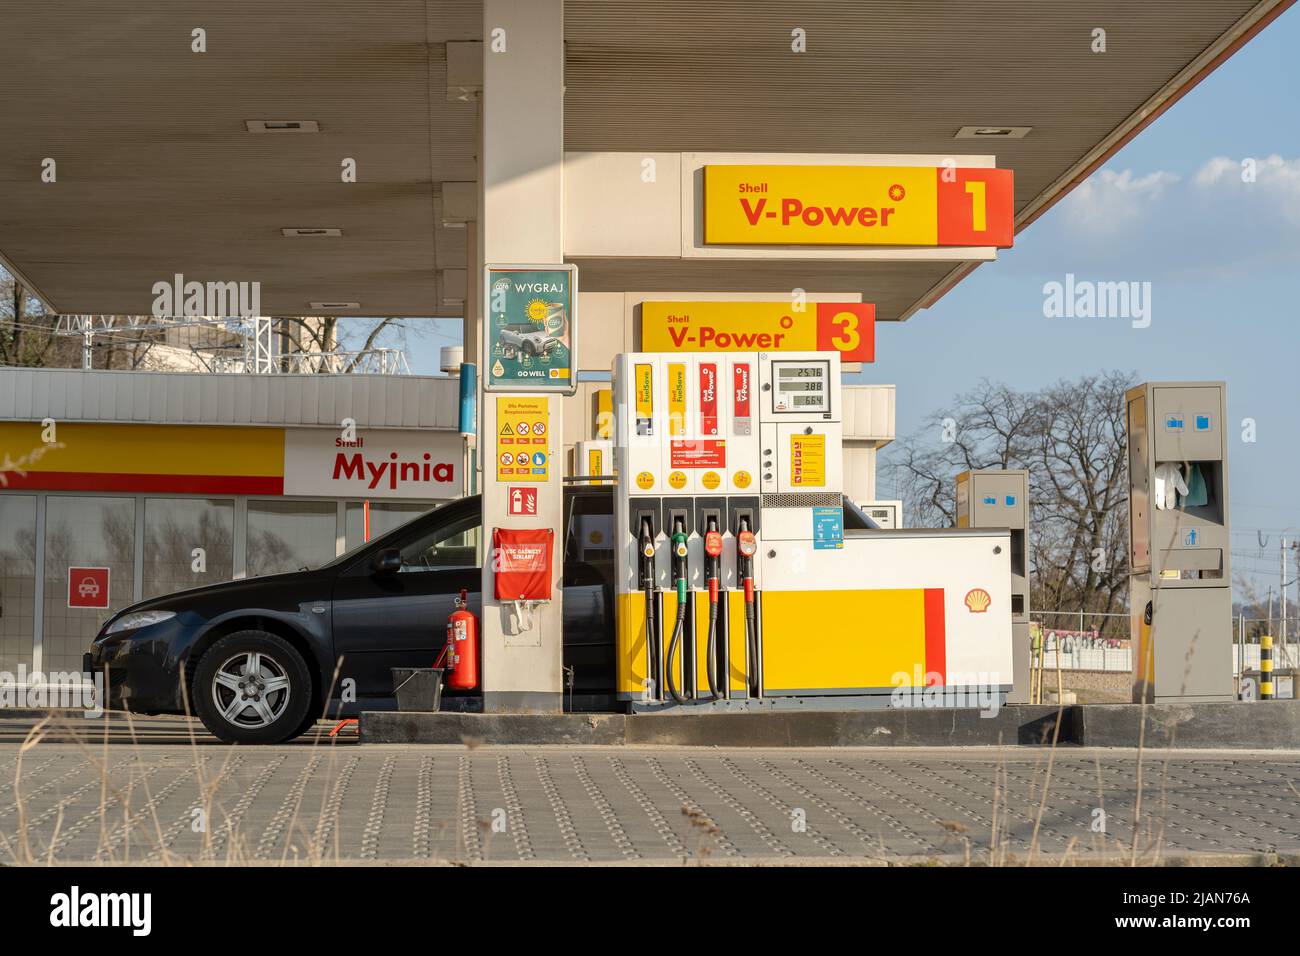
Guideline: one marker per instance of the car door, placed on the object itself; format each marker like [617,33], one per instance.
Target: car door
[399,619]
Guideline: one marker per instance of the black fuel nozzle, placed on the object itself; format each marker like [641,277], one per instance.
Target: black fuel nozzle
[646,554]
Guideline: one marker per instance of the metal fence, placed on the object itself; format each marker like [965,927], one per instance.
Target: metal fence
[1077,637]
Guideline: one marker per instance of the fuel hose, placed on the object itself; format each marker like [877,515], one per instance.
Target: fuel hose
[648,589]
[713,552]
[679,575]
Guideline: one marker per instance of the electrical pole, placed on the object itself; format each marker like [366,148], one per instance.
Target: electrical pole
[1296,546]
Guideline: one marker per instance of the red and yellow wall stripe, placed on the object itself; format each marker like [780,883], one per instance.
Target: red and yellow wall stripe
[173,459]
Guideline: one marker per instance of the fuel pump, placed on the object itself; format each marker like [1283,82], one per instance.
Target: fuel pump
[713,578]
[680,570]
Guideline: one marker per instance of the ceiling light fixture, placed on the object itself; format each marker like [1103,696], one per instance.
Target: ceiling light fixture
[282,126]
[993,132]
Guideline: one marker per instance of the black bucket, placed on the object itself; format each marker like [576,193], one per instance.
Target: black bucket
[417,689]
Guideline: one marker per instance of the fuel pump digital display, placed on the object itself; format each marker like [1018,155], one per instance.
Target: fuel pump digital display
[801,387]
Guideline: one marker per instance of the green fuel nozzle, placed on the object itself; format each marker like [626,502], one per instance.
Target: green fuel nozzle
[679,559]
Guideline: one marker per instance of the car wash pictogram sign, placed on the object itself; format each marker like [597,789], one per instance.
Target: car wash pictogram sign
[88,588]
[528,335]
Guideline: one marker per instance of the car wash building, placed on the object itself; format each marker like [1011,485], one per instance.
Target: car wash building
[120,486]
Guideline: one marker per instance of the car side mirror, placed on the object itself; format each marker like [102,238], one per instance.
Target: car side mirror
[386,561]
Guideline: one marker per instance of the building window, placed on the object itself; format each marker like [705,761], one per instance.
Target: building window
[83,532]
[288,535]
[174,530]
[384,517]
[17,580]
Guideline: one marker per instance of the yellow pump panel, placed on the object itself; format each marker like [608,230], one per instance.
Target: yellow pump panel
[843,641]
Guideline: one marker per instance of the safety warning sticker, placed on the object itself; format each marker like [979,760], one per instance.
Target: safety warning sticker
[522,441]
[700,453]
[808,460]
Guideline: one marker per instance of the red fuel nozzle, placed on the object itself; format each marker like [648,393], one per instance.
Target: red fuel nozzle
[747,545]
[713,544]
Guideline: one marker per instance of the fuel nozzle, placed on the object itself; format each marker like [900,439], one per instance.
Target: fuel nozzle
[746,548]
[712,557]
[646,548]
[680,572]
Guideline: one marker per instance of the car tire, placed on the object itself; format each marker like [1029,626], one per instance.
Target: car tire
[269,709]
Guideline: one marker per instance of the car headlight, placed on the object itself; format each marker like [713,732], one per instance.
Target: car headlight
[131,622]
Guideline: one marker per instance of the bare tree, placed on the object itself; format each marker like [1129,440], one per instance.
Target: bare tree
[325,334]
[26,329]
[29,337]
[1070,437]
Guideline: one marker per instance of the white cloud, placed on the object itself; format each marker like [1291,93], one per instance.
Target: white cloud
[1109,201]
[1271,170]
[1272,182]
[1211,225]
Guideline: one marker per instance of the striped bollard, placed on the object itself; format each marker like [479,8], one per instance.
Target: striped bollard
[1265,668]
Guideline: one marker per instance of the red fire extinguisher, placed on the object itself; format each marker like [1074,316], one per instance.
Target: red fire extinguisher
[461,649]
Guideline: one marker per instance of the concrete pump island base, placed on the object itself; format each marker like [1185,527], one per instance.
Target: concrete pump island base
[1237,726]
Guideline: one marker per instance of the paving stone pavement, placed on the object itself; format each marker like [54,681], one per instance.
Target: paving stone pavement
[333,800]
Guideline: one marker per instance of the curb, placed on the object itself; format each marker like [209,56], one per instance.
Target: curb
[1235,725]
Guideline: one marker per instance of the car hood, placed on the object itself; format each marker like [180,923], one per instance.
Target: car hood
[247,591]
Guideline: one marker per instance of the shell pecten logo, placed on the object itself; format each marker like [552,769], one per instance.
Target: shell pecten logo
[977,600]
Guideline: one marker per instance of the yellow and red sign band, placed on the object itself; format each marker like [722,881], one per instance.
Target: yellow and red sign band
[177,459]
[858,206]
[846,327]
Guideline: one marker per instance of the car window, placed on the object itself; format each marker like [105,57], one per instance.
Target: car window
[453,545]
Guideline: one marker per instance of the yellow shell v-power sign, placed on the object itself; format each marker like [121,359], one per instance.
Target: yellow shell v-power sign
[845,327]
[858,206]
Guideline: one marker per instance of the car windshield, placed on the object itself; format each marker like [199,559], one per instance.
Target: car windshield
[383,540]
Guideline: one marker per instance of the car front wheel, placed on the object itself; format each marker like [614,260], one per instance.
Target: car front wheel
[252,687]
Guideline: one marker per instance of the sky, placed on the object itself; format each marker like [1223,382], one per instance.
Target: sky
[1222,257]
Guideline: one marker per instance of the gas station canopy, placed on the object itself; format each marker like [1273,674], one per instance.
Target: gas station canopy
[161,168]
